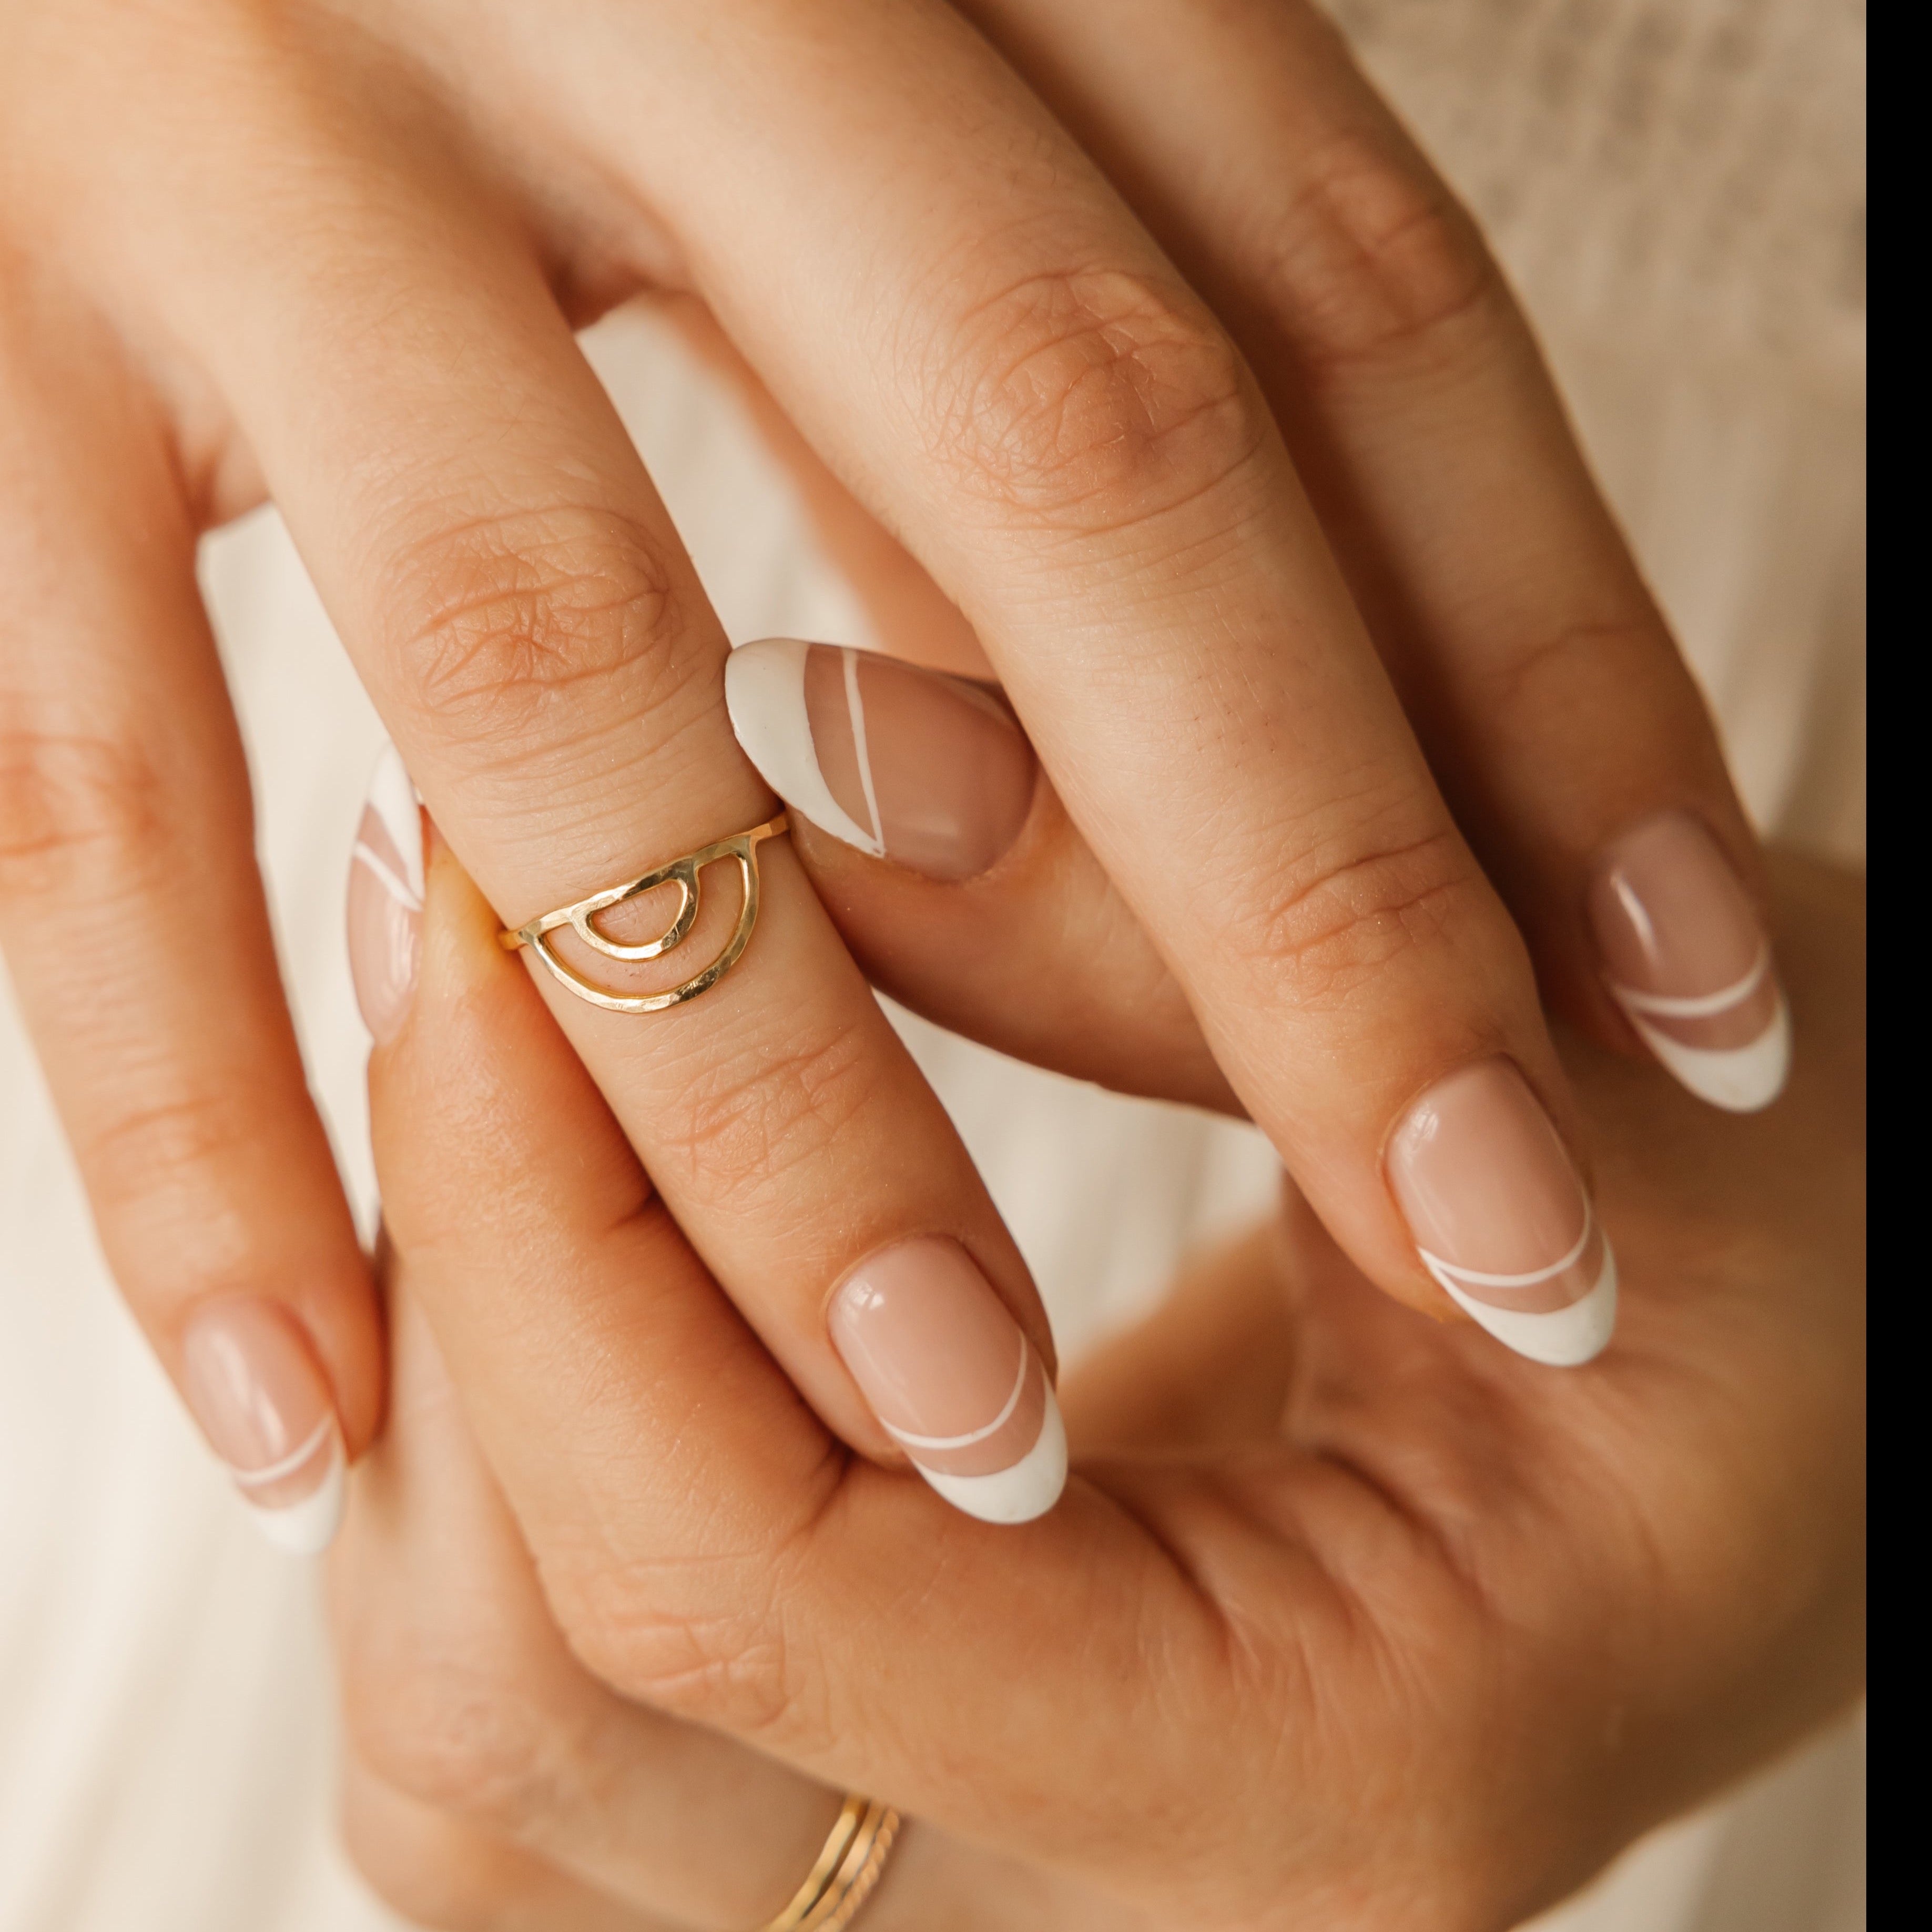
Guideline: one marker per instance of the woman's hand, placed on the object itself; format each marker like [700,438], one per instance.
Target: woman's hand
[1346,1620]
[332,254]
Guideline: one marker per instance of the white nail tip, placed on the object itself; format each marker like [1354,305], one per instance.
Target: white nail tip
[1029,1488]
[764,694]
[307,1527]
[392,797]
[1740,1079]
[1561,1338]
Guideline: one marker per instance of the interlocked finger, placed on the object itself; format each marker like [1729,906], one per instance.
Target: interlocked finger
[471,1721]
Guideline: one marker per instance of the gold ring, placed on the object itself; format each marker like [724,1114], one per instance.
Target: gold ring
[847,1869]
[682,873]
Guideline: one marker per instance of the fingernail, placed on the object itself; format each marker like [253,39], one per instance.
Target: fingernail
[1685,957]
[1500,1216]
[386,900]
[948,1373]
[254,1387]
[929,771]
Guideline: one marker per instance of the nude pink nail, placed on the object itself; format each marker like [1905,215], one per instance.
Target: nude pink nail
[386,900]
[929,771]
[253,1383]
[1686,956]
[948,1373]
[1500,1216]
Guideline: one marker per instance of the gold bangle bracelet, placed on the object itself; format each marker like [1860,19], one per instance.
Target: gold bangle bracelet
[847,1869]
[681,873]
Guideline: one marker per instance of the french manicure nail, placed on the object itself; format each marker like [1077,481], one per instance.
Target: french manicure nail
[1501,1218]
[255,1388]
[386,900]
[1685,956]
[929,771]
[948,1374]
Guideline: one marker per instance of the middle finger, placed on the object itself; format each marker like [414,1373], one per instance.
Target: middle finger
[517,599]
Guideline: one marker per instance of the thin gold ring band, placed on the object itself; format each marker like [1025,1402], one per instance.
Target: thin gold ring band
[846,1870]
[682,873]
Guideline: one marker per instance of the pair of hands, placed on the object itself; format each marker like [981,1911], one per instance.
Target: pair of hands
[1172,367]
[1345,1619]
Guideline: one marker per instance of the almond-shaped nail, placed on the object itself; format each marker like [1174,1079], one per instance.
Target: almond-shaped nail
[386,900]
[929,771]
[1500,1216]
[1686,957]
[948,1373]
[253,1385]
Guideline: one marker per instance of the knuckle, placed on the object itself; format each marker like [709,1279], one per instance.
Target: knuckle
[1373,258]
[74,802]
[455,1738]
[522,627]
[1091,401]
[706,1640]
[169,1150]
[752,1120]
[1364,899]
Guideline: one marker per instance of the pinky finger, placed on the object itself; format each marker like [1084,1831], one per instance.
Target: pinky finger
[132,916]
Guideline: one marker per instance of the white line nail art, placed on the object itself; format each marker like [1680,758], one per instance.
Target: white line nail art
[1476,1278]
[392,797]
[1561,1338]
[307,1527]
[855,707]
[1705,1006]
[1740,1079]
[764,693]
[1029,1488]
[398,890]
[972,1435]
[253,1479]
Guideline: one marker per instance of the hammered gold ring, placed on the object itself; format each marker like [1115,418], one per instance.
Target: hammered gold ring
[847,1869]
[683,873]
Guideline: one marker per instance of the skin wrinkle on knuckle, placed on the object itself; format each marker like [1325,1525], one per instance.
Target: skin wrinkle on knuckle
[1338,931]
[539,627]
[734,1670]
[1371,261]
[1087,402]
[461,1737]
[79,812]
[1601,657]
[749,1121]
[169,1152]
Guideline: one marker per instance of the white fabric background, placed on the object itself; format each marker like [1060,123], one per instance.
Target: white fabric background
[1676,187]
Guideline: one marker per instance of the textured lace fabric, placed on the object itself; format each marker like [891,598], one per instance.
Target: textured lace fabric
[1652,163]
